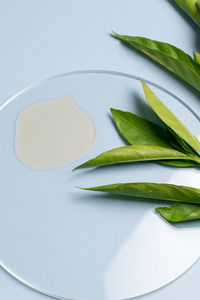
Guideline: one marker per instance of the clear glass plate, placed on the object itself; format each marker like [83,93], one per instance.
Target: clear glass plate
[69,243]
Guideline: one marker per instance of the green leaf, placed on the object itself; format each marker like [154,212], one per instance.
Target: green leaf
[170,119]
[180,212]
[179,163]
[196,57]
[172,58]
[155,191]
[179,144]
[139,131]
[136,153]
[191,8]
[198,8]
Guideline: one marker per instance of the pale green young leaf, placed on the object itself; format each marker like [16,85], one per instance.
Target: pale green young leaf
[170,119]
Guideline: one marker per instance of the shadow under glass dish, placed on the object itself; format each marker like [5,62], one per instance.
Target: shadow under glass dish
[75,244]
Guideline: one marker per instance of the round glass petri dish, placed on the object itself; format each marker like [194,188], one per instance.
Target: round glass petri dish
[72,244]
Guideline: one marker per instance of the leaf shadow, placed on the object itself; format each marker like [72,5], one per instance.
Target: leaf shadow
[99,199]
[145,110]
[192,224]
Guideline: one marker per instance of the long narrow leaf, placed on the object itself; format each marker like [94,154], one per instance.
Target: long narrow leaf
[180,212]
[172,58]
[170,119]
[191,8]
[136,153]
[148,190]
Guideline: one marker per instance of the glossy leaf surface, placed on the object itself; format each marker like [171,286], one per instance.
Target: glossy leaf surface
[156,191]
[139,131]
[133,154]
[169,56]
[180,212]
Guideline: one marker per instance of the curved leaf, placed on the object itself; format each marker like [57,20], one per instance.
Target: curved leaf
[191,8]
[135,153]
[172,58]
[180,212]
[148,190]
[170,119]
[139,131]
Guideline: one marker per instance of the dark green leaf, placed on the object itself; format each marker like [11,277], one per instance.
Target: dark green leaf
[198,8]
[191,8]
[178,143]
[139,131]
[179,163]
[172,58]
[170,119]
[148,190]
[136,153]
[180,212]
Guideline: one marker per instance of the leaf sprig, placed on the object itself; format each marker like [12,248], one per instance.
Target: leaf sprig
[166,192]
[172,145]
[175,145]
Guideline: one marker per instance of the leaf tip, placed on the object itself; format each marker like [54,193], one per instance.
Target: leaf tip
[113,110]
[115,34]
[83,188]
[76,168]
[158,209]
[144,85]
[79,187]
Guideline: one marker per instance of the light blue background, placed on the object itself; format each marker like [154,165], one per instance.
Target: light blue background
[43,38]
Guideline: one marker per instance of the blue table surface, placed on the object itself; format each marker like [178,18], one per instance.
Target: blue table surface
[43,38]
